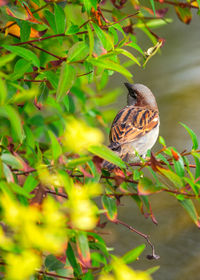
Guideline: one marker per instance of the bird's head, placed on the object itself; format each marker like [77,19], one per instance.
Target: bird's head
[140,95]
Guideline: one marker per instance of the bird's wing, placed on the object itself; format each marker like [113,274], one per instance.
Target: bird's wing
[131,123]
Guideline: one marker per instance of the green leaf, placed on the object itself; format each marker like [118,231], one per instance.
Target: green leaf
[91,39]
[136,47]
[146,187]
[152,269]
[19,190]
[55,146]
[89,4]
[53,264]
[73,29]
[88,276]
[99,243]
[59,19]
[51,20]
[190,208]
[179,166]
[6,172]
[103,37]
[198,1]
[128,54]
[114,34]
[153,7]
[3,91]
[109,64]
[119,28]
[132,255]
[11,160]
[25,30]
[4,59]
[192,185]
[10,113]
[52,78]
[109,203]
[72,259]
[172,176]
[107,154]
[83,248]
[78,51]
[21,67]
[30,184]
[77,161]
[66,80]
[162,141]
[192,135]
[25,53]
[197,162]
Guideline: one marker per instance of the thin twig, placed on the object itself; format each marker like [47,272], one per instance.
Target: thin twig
[54,275]
[145,236]
[178,4]
[41,8]
[57,193]
[33,81]
[43,50]
[129,16]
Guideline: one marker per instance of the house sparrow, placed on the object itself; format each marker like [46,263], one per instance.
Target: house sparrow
[135,128]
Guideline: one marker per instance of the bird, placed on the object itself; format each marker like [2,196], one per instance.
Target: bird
[135,128]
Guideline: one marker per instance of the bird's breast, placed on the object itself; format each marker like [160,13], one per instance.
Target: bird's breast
[141,144]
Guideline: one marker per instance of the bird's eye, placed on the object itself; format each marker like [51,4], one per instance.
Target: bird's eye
[133,93]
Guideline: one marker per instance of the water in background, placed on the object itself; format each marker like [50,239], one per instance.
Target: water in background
[174,77]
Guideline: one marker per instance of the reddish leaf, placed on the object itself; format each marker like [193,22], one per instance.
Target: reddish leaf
[155,163]
[83,251]
[175,155]
[98,163]
[184,14]
[109,204]
[14,29]
[24,13]
[3,2]
[56,63]
[161,12]
[85,173]
[128,28]
[188,205]
[146,187]
[119,4]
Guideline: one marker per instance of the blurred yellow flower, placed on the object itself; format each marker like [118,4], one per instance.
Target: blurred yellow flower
[79,136]
[106,277]
[123,272]
[47,178]
[83,211]
[21,267]
[32,229]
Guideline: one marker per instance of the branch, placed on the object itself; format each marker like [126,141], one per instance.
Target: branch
[145,236]
[178,4]
[129,16]
[54,275]
[43,50]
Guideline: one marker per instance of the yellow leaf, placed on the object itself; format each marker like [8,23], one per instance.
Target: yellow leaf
[14,29]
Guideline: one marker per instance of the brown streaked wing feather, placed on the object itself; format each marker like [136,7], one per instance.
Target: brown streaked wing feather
[132,122]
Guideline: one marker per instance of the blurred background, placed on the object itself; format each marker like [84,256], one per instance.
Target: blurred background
[174,77]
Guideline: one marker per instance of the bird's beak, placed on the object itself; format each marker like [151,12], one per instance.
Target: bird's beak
[129,86]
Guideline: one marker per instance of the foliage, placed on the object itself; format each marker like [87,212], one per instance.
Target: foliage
[56,60]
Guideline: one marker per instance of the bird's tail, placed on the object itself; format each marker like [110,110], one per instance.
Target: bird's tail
[108,165]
